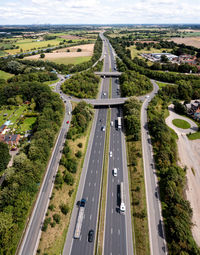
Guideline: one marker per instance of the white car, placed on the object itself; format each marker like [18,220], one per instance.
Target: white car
[111,123]
[115,172]
[103,128]
[110,153]
[147,96]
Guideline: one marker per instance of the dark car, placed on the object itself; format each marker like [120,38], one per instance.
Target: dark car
[91,236]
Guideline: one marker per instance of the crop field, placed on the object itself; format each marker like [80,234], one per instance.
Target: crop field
[61,56]
[30,44]
[192,41]
[4,75]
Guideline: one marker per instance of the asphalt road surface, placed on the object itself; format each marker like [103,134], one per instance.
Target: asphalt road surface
[92,183]
[116,239]
[155,221]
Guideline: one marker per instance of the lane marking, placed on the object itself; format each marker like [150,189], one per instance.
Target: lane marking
[112,210]
[111,231]
[92,199]
[112,194]
[95,184]
[90,216]
[118,231]
[89,184]
[91,171]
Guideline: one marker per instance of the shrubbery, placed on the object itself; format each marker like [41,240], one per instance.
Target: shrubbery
[21,183]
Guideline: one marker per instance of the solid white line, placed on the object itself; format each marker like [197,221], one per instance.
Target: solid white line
[89,184]
[111,231]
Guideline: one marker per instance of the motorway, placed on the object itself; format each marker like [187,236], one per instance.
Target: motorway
[92,179]
[33,230]
[116,239]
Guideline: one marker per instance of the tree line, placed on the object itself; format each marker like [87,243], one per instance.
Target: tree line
[176,210]
[23,179]
[157,75]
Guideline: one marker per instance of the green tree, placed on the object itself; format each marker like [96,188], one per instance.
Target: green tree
[5,156]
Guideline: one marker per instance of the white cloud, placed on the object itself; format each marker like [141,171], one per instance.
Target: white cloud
[99,11]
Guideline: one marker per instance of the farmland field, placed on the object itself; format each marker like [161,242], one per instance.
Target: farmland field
[192,41]
[61,56]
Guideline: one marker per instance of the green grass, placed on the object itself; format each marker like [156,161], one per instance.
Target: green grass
[102,212]
[9,113]
[27,124]
[4,75]
[161,84]
[16,116]
[50,82]
[194,136]
[136,53]
[181,123]
[29,44]
[71,60]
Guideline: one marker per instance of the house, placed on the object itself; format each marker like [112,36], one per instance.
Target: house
[193,109]
[11,139]
[2,128]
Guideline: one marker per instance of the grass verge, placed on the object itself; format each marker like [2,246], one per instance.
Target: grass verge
[110,88]
[52,241]
[194,136]
[137,196]
[181,123]
[100,231]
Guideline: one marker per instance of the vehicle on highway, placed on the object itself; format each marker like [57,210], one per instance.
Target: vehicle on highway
[103,128]
[104,93]
[68,122]
[110,154]
[147,96]
[77,232]
[69,112]
[111,123]
[115,172]
[91,236]
[122,198]
[119,122]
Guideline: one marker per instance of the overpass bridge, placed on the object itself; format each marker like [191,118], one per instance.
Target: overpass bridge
[108,74]
[106,101]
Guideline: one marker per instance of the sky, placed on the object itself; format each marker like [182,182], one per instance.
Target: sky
[99,11]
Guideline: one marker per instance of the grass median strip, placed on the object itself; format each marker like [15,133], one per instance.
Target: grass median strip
[110,88]
[101,222]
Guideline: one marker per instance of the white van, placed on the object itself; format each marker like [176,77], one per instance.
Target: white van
[115,172]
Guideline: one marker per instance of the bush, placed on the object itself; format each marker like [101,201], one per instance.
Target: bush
[64,209]
[68,178]
[80,145]
[51,207]
[56,218]
[78,154]
[45,224]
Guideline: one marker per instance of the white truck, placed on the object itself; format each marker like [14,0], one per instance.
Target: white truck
[77,232]
[122,199]
[119,122]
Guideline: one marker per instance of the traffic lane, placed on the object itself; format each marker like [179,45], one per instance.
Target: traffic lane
[105,89]
[156,227]
[115,236]
[115,88]
[92,188]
